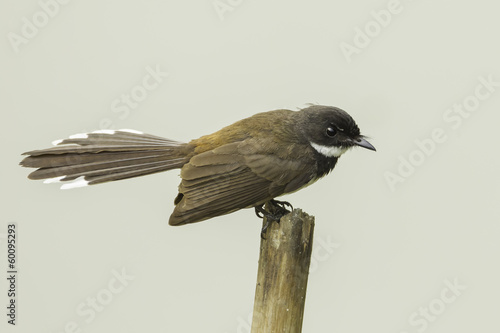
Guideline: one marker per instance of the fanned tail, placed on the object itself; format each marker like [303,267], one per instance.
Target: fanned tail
[104,156]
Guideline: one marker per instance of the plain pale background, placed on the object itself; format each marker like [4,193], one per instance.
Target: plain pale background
[391,251]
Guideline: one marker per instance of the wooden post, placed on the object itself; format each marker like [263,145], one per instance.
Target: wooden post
[284,261]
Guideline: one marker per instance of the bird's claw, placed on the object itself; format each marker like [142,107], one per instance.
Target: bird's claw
[279,210]
[282,205]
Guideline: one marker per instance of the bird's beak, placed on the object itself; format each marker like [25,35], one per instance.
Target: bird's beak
[360,141]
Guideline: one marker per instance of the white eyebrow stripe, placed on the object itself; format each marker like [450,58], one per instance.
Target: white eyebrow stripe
[329,151]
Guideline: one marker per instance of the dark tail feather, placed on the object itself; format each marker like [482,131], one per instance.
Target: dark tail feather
[104,156]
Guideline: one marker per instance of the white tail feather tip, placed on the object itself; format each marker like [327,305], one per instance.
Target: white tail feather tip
[130,131]
[53,180]
[79,136]
[78,182]
[104,131]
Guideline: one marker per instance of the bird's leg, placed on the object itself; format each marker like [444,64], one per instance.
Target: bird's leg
[278,210]
[270,217]
[274,216]
[264,228]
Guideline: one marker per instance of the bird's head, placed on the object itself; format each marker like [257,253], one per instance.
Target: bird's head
[330,131]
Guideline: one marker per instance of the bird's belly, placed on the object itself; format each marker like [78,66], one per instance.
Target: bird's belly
[312,181]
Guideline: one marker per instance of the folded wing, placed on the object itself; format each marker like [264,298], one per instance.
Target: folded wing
[231,177]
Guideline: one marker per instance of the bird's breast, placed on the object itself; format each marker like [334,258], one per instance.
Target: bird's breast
[324,165]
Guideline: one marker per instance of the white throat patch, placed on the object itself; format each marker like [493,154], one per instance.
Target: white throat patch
[329,151]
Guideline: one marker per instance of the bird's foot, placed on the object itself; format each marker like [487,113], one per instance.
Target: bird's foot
[277,211]
[282,206]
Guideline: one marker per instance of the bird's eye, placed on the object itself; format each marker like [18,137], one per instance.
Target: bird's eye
[331,131]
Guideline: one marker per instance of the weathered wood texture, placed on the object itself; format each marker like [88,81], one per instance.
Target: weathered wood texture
[282,275]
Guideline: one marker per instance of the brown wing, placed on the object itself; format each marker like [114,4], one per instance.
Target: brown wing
[234,176]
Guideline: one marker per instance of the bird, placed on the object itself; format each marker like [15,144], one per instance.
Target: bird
[244,165]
